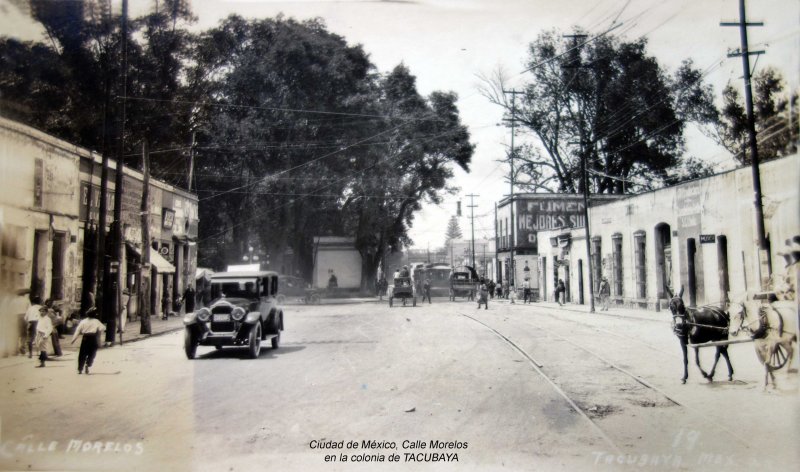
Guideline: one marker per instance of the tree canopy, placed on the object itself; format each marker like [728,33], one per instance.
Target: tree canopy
[297,134]
[607,100]
[776,134]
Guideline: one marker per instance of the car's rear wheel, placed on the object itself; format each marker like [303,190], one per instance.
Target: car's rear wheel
[189,343]
[254,341]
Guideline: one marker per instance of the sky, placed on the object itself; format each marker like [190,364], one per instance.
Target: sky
[447,44]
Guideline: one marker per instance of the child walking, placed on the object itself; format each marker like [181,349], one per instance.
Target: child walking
[90,327]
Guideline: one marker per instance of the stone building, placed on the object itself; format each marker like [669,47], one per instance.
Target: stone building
[49,212]
[699,235]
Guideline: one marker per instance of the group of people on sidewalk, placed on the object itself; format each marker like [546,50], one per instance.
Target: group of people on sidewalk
[45,326]
[603,293]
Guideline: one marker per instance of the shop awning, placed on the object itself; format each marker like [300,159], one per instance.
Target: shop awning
[161,265]
[203,273]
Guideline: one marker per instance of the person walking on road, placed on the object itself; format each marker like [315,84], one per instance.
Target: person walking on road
[91,328]
[426,290]
[32,315]
[44,330]
[560,291]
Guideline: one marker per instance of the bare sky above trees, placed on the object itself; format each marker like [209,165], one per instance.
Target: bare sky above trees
[447,43]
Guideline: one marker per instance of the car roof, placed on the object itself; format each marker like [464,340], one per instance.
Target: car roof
[243,274]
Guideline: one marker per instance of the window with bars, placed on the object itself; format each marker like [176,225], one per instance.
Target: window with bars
[640,264]
[616,261]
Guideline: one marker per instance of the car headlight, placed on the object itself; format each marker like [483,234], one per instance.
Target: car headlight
[203,314]
[238,313]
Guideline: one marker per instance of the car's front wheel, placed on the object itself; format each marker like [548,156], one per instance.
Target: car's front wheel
[189,343]
[254,341]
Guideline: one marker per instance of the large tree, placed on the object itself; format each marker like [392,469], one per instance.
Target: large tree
[606,100]
[775,113]
[297,134]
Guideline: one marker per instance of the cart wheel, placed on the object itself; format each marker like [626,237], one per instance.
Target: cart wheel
[778,358]
[415,301]
[390,302]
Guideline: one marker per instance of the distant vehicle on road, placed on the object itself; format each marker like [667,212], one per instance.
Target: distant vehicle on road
[289,286]
[463,283]
[403,289]
[244,311]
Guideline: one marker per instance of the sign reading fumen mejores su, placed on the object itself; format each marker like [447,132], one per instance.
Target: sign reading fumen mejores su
[546,214]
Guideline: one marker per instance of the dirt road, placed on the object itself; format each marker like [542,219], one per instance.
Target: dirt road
[436,387]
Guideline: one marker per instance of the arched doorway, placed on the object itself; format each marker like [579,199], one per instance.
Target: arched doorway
[663,242]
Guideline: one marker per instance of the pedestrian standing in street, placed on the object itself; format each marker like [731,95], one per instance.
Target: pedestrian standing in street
[499,289]
[512,294]
[483,297]
[491,286]
[526,291]
[605,293]
[91,329]
[57,321]
[165,304]
[560,291]
[426,290]
[189,299]
[125,301]
[44,330]
[32,316]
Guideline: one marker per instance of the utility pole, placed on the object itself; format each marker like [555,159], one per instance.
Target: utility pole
[585,185]
[114,319]
[745,53]
[513,230]
[144,297]
[472,223]
[191,164]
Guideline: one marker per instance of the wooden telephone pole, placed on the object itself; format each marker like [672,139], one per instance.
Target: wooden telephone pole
[513,231]
[745,54]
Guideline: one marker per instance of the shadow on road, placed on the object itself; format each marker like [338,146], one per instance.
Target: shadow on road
[242,354]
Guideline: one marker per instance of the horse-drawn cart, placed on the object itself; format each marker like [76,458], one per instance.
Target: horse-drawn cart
[769,323]
[403,289]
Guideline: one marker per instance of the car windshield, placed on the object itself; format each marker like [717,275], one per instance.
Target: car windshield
[234,288]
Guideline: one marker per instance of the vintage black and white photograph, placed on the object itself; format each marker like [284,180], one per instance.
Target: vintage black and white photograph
[399,235]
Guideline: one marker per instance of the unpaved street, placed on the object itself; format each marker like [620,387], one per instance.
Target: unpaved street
[513,387]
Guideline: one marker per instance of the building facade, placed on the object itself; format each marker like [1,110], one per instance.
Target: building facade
[530,214]
[49,212]
[699,235]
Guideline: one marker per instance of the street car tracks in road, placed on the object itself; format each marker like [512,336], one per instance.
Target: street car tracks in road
[538,368]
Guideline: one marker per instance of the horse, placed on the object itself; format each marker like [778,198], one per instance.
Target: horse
[697,326]
[773,341]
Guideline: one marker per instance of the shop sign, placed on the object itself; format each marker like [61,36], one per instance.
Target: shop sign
[169,218]
[706,239]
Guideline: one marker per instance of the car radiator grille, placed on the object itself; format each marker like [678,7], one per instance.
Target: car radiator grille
[222,327]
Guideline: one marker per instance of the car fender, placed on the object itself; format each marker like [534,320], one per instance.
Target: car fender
[252,317]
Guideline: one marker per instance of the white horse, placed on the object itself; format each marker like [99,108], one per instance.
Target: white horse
[773,328]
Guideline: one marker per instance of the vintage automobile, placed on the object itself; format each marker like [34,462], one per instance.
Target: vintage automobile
[292,287]
[463,283]
[244,311]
